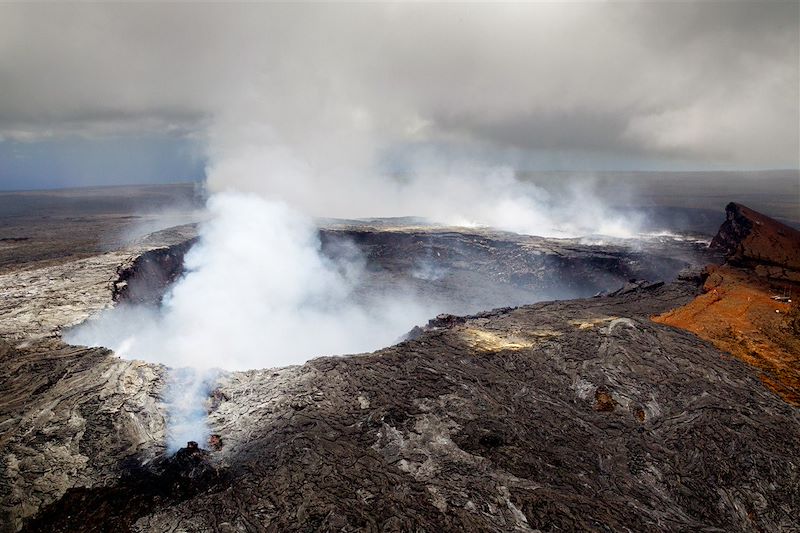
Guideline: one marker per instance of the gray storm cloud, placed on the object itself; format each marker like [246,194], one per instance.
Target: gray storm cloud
[713,82]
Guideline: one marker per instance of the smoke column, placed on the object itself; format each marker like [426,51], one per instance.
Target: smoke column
[306,138]
[256,285]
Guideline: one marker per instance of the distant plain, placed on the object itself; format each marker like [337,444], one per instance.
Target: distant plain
[37,227]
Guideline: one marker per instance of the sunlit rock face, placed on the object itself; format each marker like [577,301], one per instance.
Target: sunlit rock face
[71,417]
[41,300]
[750,306]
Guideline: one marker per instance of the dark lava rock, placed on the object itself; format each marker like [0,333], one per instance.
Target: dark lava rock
[146,280]
[140,490]
[560,416]
[636,285]
[445,321]
[464,272]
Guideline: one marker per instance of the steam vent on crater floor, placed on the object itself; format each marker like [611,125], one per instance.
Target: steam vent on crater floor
[664,404]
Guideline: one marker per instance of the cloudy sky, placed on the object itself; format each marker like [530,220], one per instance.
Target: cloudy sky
[125,93]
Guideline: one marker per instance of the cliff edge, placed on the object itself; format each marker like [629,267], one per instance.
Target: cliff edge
[753,240]
[749,306]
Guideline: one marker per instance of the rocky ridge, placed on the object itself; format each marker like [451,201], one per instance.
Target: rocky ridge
[756,241]
[68,414]
[38,302]
[750,304]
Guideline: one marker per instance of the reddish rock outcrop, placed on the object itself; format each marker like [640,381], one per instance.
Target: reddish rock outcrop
[750,304]
[756,241]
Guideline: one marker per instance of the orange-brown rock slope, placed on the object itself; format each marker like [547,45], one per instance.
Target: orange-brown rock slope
[749,307]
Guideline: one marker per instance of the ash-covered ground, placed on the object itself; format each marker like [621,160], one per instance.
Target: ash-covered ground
[551,416]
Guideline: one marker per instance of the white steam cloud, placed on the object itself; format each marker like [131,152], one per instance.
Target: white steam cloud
[257,293]
[336,171]
[256,284]
[311,136]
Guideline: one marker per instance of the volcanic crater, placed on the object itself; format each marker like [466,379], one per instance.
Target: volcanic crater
[577,414]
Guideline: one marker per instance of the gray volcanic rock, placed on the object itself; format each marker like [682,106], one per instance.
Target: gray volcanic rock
[38,302]
[145,279]
[68,417]
[575,415]
[465,271]
[571,415]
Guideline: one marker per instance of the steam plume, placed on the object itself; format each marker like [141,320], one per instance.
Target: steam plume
[256,285]
[312,137]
